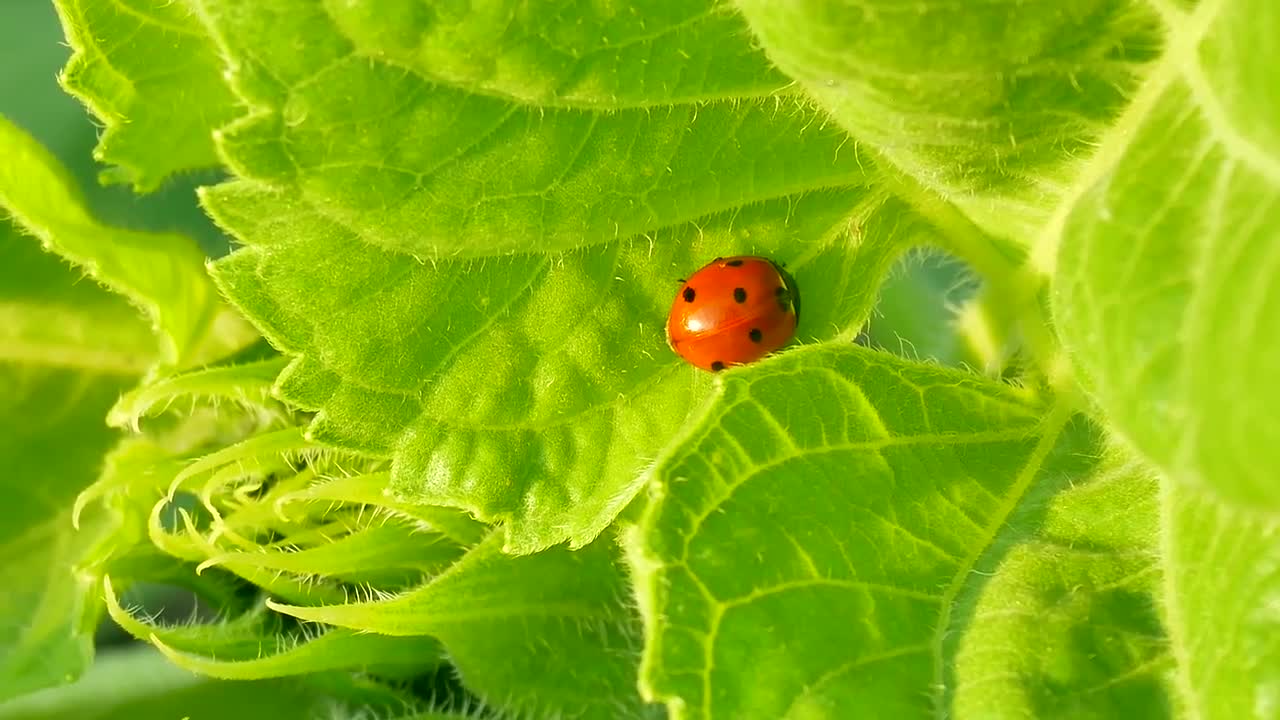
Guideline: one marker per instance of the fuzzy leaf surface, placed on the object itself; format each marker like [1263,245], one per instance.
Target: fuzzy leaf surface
[987,104]
[1222,567]
[473,271]
[536,394]
[147,70]
[548,634]
[528,387]
[375,138]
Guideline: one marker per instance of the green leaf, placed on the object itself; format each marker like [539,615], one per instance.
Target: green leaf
[34,50]
[641,185]
[49,318]
[162,274]
[249,648]
[474,268]
[1165,278]
[547,634]
[577,56]
[539,394]
[248,385]
[1078,594]
[371,489]
[410,161]
[158,122]
[1222,569]
[988,105]
[843,532]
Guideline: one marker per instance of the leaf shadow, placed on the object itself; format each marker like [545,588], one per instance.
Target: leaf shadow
[1103,661]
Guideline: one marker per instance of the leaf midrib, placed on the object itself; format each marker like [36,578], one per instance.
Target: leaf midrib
[1184,33]
[1052,429]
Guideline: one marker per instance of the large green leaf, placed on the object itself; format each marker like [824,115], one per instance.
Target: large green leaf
[1166,289]
[1223,577]
[844,532]
[396,147]
[146,69]
[546,635]
[531,387]
[539,392]
[1077,594]
[410,184]
[987,103]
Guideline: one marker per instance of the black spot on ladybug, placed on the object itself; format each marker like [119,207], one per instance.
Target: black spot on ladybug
[688,294]
[734,263]
[739,295]
[755,335]
[717,366]
[784,298]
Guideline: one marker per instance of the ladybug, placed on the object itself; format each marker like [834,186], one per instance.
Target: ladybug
[732,311]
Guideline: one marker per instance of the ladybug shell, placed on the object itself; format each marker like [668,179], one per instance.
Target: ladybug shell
[732,311]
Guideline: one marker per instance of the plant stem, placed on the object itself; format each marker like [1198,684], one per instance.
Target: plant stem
[1011,280]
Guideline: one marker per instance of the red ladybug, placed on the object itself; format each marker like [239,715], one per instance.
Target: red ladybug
[732,311]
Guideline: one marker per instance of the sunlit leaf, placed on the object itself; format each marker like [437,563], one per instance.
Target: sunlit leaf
[988,104]
[1223,573]
[928,516]
[462,225]
[1166,276]
[146,70]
